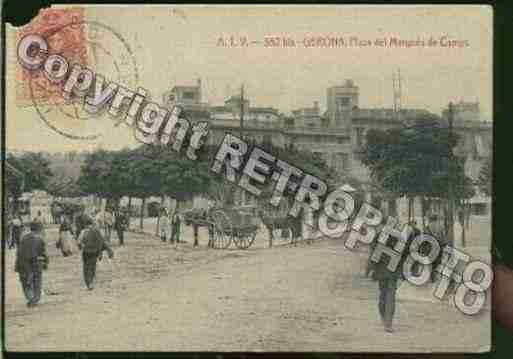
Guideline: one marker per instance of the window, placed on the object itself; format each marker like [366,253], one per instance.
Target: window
[289,122]
[345,101]
[267,140]
[376,201]
[478,209]
[481,151]
[360,131]
[318,155]
[188,95]
[341,161]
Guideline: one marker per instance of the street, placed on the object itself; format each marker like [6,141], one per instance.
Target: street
[155,296]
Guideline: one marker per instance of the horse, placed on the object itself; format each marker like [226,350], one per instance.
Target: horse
[292,224]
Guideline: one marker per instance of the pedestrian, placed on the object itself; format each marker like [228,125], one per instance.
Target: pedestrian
[371,266]
[92,244]
[16,230]
[436,230]
[388,280]
[31,260]
[120,225]
[165,226]
[176,225]
[104,222]
[109,223]
[65,241]
[80,220]
[39,217]
[7,229]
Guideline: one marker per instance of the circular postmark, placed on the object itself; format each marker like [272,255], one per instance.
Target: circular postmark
[95,46]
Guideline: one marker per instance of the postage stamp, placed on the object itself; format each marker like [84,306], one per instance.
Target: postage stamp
[64,32]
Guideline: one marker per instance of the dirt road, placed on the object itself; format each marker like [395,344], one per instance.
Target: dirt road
[153,296]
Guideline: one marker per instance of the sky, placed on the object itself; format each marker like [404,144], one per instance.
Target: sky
[175,45]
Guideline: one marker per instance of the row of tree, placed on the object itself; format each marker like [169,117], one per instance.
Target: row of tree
[413,162]
[418,161]
[160,171]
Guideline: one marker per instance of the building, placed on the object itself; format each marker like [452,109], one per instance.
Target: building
[464,111]
[229,114]
[340,133]
[341,100]
[308,116]
[190,99]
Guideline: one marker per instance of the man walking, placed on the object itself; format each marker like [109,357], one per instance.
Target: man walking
[120,225]
[80,220]
[176,224]
[388,280]
[31,259]
[165,226]
[92,244]
[104,222]
[16,230]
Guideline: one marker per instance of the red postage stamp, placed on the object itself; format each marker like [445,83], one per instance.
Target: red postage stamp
[63,30]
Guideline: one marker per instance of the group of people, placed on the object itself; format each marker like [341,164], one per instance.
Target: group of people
[15,227]
[90,233]
[170,226]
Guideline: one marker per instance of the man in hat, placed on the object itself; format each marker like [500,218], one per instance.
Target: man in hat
[92,244]
[80,220]
[388,280]
[176,225]
[16,230]
[120,225]
[31,259]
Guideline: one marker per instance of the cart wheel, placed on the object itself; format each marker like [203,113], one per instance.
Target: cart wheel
[244,240]
[222,231]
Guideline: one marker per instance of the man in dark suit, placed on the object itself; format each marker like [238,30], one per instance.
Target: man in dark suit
[388,279]
[80,220]
[31,259]
[92,244]
[120,225]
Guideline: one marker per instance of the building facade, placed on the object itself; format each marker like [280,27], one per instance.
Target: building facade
[340,133]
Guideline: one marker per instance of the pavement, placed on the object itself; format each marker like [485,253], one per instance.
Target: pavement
[160,297]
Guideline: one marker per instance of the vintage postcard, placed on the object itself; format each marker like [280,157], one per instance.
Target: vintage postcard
[227,178]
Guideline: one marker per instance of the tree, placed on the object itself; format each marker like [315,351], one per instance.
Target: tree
[162,171]
[416,161]
[94,171]
[64,187]
[485,179]
[35,168]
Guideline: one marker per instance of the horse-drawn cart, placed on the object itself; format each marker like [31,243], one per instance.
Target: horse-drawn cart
[226,225]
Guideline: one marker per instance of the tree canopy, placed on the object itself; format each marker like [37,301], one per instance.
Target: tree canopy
[416,161]
[486,177]
[35,169]
[160,171]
